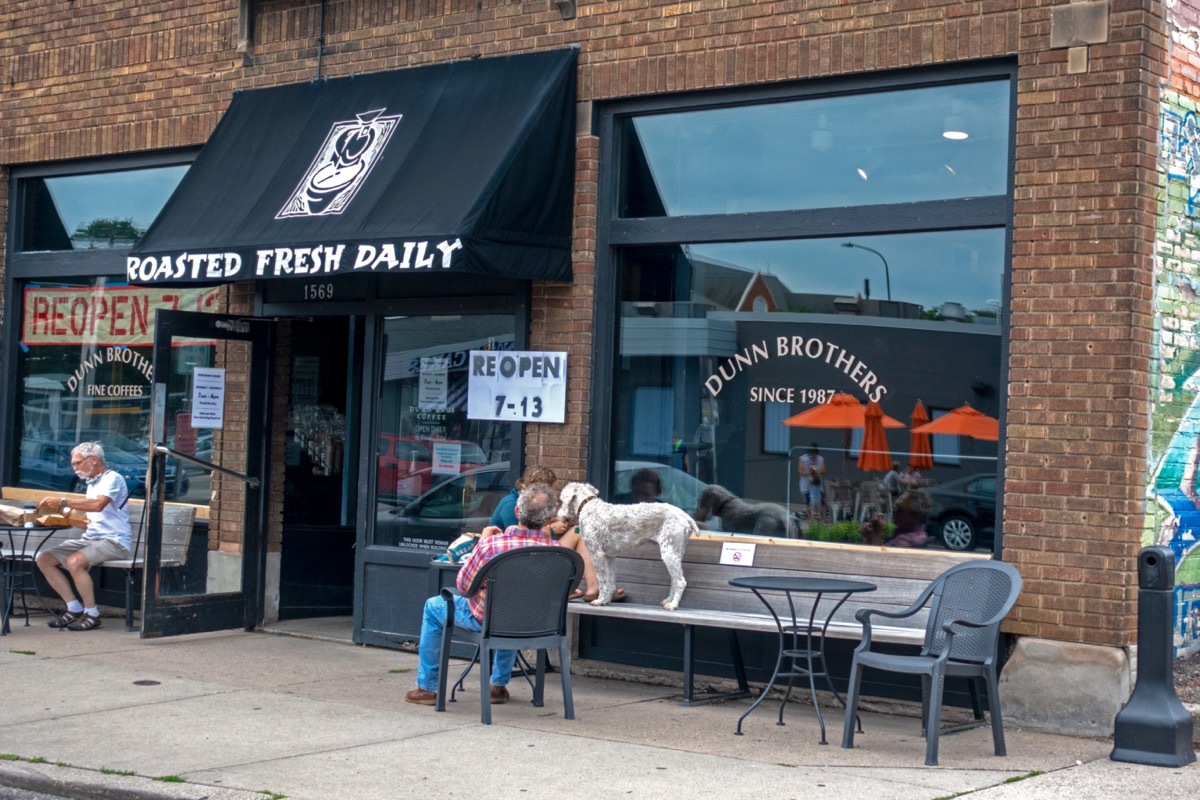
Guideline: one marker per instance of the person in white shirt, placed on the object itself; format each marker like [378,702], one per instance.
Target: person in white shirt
[107,536]
[811,469]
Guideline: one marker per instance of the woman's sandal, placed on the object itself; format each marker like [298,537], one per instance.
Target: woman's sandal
[86,623]
[65,619]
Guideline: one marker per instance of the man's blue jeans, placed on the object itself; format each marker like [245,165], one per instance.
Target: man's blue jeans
[430,653]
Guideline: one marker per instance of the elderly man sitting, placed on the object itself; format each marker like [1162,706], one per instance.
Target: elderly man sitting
[536,504]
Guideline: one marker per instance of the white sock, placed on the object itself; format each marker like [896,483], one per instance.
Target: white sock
[74,606]
[92,612]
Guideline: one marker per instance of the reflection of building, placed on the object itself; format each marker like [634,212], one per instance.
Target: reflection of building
[655,214]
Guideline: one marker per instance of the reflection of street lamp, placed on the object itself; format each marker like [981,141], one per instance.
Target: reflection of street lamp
[886,274]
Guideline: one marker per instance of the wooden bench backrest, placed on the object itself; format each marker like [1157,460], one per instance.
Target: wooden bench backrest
[900,575]
[178,521]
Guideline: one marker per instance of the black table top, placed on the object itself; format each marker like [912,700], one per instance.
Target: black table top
[795,583]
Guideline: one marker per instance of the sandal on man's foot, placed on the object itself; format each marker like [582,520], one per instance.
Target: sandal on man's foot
[64,619]
[85,623]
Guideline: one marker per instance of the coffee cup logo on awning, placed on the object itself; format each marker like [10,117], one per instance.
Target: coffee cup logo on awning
[345,159]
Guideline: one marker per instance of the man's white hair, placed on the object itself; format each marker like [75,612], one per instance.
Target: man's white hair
[90,450]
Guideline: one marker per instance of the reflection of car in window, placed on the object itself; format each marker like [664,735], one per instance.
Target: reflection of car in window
[678,487]
[463,503]
[406,466]
[963,515]
[46,464]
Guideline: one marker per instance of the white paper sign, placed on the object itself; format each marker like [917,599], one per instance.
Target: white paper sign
[208,397]
[434,384]
[737,554]
[517,386]
[447,458]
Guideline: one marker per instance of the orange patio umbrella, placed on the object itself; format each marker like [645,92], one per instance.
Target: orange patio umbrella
[921,456]
[874,455]
[840,411]
[964,421]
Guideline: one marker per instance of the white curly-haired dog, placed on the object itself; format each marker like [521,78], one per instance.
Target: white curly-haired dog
[609,529]
[742,516]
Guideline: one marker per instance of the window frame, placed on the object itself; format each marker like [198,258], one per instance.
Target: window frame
[614,232]
[21,267]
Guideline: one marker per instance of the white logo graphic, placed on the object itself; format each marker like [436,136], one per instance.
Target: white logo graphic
[342,164]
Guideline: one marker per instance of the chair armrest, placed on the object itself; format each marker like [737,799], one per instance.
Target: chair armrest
[448,595]
[863,615]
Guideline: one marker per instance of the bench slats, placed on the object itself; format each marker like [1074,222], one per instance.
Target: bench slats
[900,575]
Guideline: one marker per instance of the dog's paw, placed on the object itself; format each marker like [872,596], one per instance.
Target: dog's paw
[599,601]
[669,606]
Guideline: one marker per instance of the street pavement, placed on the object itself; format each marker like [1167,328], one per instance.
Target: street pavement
[241,715]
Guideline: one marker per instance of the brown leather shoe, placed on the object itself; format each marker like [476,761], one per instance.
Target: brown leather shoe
[499,695]
[421,697]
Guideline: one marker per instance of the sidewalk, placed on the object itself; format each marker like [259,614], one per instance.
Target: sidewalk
[251,715]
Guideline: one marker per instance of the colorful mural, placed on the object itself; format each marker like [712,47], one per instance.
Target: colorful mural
[1173,510]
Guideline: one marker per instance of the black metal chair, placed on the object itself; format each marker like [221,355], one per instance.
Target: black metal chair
[527,593]
[968,601]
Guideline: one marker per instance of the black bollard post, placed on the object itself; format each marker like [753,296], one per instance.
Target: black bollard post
[1154,728]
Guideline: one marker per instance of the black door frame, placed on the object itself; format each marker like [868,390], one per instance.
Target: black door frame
[177,615]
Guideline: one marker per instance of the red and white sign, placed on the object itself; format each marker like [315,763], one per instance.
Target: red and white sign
[121,315]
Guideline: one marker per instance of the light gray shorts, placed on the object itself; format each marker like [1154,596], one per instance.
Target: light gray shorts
[96,550]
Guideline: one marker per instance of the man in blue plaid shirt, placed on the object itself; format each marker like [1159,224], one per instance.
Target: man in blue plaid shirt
[536,505]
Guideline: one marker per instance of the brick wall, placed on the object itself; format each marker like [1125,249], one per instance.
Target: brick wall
[92,77]
[1081,319]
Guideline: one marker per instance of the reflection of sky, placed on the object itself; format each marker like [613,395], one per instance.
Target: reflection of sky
[926,268]
[132,194]
[870,148]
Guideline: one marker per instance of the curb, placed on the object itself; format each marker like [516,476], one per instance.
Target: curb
[85,784]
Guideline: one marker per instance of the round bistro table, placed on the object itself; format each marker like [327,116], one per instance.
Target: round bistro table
[806,654]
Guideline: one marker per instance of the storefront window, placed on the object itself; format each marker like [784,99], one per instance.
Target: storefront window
[929,143]
[95,210]
[438,473]
[723,346]
[85,374]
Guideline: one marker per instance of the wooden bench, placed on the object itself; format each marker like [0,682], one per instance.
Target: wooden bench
[179,519]
[710,602]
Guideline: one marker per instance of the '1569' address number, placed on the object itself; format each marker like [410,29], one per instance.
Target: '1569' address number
[318,291]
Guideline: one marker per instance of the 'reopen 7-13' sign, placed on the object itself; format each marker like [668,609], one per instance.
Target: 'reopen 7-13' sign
[517,386]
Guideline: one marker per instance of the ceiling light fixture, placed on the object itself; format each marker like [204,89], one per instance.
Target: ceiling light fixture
[955,128]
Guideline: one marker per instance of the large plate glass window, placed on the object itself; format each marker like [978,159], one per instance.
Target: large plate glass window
[85,372]
[772,257]
[437,473]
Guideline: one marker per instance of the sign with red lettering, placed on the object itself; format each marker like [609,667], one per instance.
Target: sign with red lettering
[120,315]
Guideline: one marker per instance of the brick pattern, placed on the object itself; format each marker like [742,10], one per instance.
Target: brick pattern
[93,77]
[1082,325]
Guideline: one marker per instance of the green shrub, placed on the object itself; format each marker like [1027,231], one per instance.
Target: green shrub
[844,531]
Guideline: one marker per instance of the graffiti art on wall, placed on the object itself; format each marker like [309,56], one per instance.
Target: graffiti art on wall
[1173,488]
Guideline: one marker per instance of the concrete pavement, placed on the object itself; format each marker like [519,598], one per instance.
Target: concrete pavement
[234,716]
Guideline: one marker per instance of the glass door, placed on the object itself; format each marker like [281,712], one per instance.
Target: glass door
[209,404]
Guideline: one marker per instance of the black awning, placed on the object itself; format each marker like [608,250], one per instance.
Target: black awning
[459,167]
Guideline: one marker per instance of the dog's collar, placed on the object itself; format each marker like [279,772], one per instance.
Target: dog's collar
[579,511]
